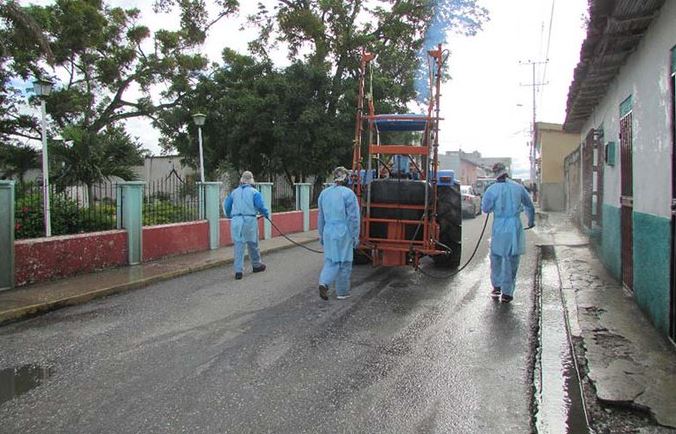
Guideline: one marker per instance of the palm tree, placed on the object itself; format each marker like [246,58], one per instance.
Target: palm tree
[89,158]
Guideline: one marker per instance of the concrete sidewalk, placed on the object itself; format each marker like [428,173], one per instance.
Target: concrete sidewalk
[42,297]
[622,356]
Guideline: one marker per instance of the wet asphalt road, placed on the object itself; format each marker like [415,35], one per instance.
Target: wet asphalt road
[205,353]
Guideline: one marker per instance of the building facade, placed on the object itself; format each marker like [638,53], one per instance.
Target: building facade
[472,164]
[621,104]
[554,145]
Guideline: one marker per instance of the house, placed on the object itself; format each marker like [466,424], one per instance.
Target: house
[471,165]
[621,105]
[553,144]
[162,168]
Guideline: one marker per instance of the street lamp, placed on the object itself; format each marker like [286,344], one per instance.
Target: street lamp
[42,89]
[199,119]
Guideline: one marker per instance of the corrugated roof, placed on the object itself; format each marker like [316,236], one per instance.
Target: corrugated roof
[614,31]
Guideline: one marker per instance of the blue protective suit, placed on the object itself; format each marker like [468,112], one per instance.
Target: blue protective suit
[241,206]
[338,224]
[506,200]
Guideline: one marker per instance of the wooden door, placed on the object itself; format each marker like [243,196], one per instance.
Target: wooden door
[588,179]
[627,200]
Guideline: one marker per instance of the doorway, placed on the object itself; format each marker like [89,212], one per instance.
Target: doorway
[626,193]
[672,309]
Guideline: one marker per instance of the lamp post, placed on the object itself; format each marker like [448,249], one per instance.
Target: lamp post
[199,119]
[42,89]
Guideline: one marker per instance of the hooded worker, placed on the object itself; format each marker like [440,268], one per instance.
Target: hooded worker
[338,224]
[242,206]
[506,199]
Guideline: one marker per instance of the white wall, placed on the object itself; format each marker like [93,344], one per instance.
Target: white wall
[645,77]
[158,168]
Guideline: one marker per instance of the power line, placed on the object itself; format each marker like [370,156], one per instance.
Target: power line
[535,85]
[549,39]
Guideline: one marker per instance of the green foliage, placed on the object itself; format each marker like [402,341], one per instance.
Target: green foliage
[160,212]
[67,217]
[103,71]
[88,158]
[299,121]
[16,160]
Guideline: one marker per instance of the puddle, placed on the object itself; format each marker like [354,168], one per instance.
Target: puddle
[560,408]
[20,379]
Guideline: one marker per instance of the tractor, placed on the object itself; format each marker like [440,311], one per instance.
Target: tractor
[409,208]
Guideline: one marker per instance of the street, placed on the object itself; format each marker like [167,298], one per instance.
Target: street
[206,353]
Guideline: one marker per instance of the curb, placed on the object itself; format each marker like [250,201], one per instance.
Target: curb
[33,310]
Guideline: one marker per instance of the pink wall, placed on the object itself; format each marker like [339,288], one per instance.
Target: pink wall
[175,239]
[313,219]
[41,259]
[287,222]
[225,239]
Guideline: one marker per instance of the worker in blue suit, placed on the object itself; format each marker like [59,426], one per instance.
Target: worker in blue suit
[242,206]
[506,199]
[338,224]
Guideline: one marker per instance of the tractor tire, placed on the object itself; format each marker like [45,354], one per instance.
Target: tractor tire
[360,258]
[449,217]
[401,191]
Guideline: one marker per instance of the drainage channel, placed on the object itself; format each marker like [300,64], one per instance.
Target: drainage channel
[558,397]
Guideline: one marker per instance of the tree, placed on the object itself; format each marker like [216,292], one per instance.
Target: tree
[335,31]
[16,160]
[114,69]
[261,118]
[87,158]
[19,33]
[299,121]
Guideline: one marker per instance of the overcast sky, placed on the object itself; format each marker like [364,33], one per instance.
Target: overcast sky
[487,105]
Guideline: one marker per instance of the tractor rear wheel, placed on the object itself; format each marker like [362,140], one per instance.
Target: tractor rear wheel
[449,217]
[360,258]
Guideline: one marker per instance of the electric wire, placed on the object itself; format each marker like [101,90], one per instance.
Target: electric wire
[454,272]
[445,276]
[292,241]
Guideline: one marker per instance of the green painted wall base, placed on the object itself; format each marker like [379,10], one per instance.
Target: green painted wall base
[7,278]
[652,256]
[611,240]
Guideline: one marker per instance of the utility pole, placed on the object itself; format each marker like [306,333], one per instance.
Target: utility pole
[533,144]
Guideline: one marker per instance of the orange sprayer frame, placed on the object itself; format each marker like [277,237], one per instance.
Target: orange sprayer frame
[395,249]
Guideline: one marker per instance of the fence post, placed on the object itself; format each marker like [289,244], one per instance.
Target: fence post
[118,206]
[266,191]
[303,202]
[210,209]
[131,198]
[6,235]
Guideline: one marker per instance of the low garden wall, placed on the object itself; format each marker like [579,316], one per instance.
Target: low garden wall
[42,259]
[287,222]
[175,239]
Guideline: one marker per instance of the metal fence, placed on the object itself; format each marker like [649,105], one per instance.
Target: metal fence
[170,201]
[283,197]
[80,209]
[73,209]
[315,191]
